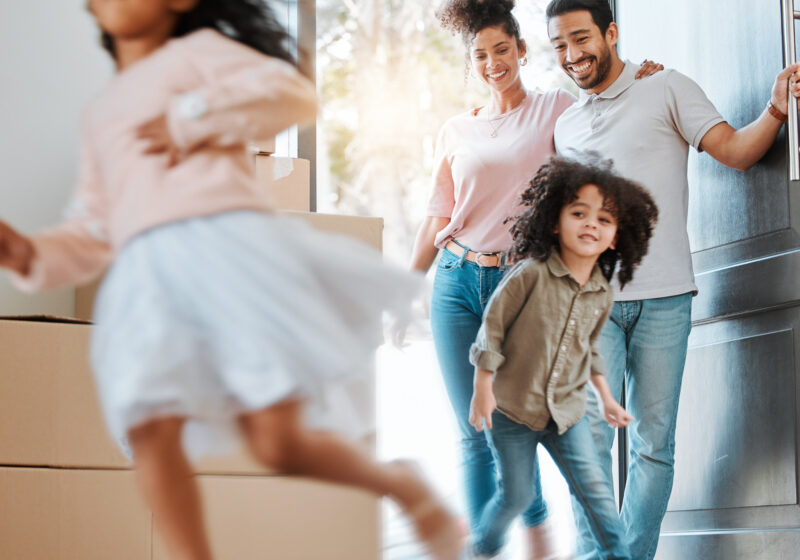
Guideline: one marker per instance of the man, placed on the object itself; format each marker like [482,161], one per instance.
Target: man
[646,127]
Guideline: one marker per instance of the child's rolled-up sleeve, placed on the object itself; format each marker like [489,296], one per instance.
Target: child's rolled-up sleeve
[598,365]
[503,308]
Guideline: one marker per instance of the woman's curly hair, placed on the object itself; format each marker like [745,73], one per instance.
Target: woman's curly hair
[468,17]
[251,22]
[556,184]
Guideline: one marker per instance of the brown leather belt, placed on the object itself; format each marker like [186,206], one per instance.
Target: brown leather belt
[484,260]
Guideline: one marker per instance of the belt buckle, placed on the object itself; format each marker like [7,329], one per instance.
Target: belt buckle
[492,255]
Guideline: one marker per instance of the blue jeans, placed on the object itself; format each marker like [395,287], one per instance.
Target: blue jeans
[573,451]
[461,290]
[644,344]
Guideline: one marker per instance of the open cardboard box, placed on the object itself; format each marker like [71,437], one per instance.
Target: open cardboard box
[263,147]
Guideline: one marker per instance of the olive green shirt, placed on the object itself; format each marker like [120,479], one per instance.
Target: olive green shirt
[539,336]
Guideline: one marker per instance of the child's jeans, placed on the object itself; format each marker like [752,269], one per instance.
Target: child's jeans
[514,446]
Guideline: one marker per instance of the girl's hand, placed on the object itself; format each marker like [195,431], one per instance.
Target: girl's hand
[481,408]
[648,68]
[155,134]
[615,415]
[16,251]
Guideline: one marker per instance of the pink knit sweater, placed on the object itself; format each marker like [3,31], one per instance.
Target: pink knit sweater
[217,94]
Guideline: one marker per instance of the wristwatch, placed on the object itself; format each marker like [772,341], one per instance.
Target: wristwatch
[777,113]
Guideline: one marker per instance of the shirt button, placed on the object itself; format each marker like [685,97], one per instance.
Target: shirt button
[556,374]
[563,348]
[597,312]
[572,321]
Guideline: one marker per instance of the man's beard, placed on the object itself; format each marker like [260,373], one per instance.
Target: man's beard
[603,68]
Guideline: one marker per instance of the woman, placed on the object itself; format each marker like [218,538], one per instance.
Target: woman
[484,160]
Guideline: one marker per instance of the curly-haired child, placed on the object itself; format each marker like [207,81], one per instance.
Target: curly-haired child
[536,351]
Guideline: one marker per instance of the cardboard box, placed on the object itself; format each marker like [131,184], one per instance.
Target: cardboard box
[50,415]
[49,412]
[253,518]
[366,229]
[286,181]
[262,147]
[62,514]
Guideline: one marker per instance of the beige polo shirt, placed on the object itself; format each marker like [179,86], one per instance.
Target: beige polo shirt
[646,127]
[539,335]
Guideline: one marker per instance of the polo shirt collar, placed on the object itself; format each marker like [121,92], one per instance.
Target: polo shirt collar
[625,80]
[596,282]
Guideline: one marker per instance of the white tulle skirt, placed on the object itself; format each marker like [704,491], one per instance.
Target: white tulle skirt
[212,317]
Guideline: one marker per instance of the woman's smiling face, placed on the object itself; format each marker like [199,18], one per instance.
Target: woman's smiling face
[494,56]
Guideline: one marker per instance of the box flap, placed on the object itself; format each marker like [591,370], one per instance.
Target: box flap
[44,319]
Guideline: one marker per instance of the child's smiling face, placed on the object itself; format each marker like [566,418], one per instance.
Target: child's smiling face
[586,226]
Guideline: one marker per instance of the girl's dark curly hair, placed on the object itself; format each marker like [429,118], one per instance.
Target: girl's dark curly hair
[468,17]
[556,184]
[251,22]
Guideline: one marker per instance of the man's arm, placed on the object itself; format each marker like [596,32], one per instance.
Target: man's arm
[742,148]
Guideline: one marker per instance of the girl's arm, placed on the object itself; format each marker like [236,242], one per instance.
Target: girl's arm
[247,96]
[73,252]
[483,402]
[16,251]
[615,415]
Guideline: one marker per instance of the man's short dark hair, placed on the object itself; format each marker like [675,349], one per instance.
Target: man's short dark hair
[600,10]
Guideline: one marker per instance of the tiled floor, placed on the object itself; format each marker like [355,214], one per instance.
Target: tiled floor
[415,421]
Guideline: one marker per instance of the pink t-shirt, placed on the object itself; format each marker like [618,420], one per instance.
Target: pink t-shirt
[234,94]
[478,178]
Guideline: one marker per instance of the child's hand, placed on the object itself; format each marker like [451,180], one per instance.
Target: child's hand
[481,408]
[615,415]
[16,251]
[156,135]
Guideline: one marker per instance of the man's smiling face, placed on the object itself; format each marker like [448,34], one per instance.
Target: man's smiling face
[582,50]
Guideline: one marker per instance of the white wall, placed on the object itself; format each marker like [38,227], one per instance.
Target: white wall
[51,65]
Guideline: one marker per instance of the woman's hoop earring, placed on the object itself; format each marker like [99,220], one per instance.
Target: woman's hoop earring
[523,61]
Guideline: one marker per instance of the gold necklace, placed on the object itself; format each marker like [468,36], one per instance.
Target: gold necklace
[502,118]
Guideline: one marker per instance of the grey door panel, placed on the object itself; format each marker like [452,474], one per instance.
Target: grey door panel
[738,438]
